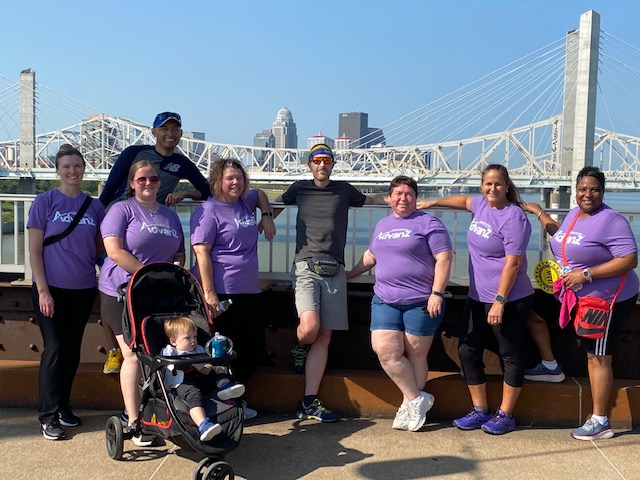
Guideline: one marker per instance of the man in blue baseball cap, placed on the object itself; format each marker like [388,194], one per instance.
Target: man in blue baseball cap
[172,166]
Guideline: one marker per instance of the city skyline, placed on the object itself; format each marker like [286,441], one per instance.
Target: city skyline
[401,56]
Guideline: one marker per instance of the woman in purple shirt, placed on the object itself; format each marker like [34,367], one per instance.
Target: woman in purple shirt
[412,254]
[500,295]
[599,248]
[135,231]
[62,301]
[224,236]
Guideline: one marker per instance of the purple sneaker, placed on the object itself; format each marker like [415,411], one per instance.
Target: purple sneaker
[499,424]
[472,420]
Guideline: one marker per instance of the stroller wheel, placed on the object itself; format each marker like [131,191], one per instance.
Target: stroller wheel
[115,438]
[201,468]
[219,471]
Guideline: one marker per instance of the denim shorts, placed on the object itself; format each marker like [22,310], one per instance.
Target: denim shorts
[404,318]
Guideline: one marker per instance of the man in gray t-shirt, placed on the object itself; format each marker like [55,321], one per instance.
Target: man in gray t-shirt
[320,283]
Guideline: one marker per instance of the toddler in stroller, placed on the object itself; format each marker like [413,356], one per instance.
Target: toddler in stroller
[190,385]
[155,294]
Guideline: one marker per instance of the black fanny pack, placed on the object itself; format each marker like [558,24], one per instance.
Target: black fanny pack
[324,265]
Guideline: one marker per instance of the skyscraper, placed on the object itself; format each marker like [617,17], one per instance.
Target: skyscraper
[355,127]
[264,139]
[284,130]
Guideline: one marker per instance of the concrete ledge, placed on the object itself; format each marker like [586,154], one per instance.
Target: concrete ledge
[354,393]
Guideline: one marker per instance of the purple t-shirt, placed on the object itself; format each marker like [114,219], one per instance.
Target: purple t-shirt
[148,236]
[232,232]
[493,234]
[404,250]
[594,240]
[70,262]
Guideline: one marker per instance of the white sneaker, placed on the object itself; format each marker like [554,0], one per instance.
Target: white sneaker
[234,391]
[143,440]
[418,408]
[401,421]
[249,413]
[430,399]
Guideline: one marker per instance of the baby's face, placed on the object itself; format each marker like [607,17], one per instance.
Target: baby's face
[186,341]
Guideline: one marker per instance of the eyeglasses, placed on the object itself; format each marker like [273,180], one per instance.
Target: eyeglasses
[143,180]
[325,160]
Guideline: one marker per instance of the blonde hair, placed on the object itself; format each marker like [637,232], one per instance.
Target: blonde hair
[174,326]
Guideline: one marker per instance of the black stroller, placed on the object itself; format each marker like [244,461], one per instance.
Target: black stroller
[156,292]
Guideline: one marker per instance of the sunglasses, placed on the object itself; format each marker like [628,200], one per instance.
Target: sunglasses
[325,160]
[143,180]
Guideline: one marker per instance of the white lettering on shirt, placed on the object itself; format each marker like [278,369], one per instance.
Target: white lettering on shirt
[394,234]
[245,222]
[172,167]
[480,228]
[159,230]
[68,218]
[575,238]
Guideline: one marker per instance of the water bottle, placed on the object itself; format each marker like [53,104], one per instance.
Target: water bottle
[224,305]
[218,345]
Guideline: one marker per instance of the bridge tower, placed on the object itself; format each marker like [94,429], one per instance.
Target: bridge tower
[580,86]
[27,129]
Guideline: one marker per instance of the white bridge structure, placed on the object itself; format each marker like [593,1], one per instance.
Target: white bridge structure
[544,152]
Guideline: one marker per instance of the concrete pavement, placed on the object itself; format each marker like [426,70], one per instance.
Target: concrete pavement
[285,448]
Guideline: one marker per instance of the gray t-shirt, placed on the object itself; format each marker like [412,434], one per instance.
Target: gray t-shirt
[321,225]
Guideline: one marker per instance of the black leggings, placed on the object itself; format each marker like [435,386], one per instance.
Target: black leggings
[244,323]
[62,338]
[474,332]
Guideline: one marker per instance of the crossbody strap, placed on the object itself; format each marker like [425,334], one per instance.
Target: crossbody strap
[72,225]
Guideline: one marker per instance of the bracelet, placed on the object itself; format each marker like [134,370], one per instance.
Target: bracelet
[541,212]
[437,294]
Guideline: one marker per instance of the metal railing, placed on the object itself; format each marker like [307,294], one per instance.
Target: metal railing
[276,257]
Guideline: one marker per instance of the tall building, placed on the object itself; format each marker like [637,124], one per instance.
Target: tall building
[284,129]
[318,139]
[355,126]
[264,139]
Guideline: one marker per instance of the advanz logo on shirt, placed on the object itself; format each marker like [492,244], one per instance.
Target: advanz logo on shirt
[575,238]
[245,222]
[159,230]
[480,228]
[394,234]
[172,167]
[68,218]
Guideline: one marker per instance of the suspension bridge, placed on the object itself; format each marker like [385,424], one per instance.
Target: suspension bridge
[543,116]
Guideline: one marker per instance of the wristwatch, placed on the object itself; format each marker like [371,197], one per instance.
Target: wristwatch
[587,274]
[437,294]
[501,299]
[267,214]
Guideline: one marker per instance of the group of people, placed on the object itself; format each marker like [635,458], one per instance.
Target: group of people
[137,229]
[412,253]
[411,250]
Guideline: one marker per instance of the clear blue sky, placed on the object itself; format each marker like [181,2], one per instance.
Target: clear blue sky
[228,66]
